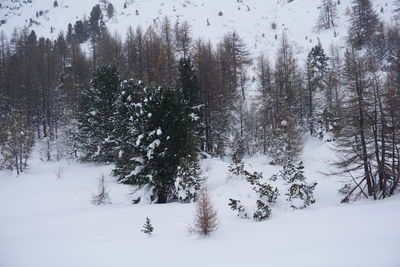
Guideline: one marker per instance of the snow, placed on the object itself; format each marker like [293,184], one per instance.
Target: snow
[48,221]
[46,215]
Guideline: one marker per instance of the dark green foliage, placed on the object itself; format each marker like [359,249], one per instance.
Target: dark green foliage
[161,141]
[267,196]
[263,211]
[125,135]
[187,182]
[94,20]
[237,165]
[95,120]
[236,205]
[189,97]
[81,29]
[148,227]
[316,69]
[300,193]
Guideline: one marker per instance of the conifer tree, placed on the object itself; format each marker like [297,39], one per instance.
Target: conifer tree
[163,138]
[95,119]
[124,133]
[189,97]
[187,183]
[300,193]
[148,227]
[316,69]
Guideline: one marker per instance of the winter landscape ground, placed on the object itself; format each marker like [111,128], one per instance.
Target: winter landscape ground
[50,221]
[47,217]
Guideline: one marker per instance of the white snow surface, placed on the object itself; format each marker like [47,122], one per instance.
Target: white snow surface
[47,222]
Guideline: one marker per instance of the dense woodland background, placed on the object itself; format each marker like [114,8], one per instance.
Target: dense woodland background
[156,102]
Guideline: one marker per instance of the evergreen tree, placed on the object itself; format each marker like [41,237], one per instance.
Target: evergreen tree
[148,227]
[187,183]
[94,20]
[267,196]
[163,139]
[237,165]
[316,69]
[95,119]
[300,193]
[125,133]
[189,97]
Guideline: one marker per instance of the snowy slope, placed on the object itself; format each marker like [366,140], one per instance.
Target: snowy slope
[252,19]
[47,222]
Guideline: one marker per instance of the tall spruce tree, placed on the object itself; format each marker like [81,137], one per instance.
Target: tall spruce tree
[125,133]
[96,116]
[189,96]
[316,69]
[161,142]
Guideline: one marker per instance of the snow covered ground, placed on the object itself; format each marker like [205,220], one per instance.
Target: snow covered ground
[46,221]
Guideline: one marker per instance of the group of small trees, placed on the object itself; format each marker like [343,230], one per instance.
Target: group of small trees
[205,220]
[299,192]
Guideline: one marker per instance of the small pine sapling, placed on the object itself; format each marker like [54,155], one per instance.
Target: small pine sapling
[102,198]
[148,227]
[237,165]
[300,193]
[267,196]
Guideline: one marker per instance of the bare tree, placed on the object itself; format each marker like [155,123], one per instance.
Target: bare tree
[327,15]
[206,220]
[102,198]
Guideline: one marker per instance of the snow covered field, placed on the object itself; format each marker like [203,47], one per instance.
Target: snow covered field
[47,221]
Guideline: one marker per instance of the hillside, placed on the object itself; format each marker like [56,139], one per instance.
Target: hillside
[252,19]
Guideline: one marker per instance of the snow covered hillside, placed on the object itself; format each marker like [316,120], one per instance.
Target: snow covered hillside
[259,22]
[49,221]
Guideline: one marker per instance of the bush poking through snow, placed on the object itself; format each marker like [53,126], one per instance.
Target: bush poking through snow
[102,198]
[267,196]
[237,205]
[148,227]
[206,219]
[300,193]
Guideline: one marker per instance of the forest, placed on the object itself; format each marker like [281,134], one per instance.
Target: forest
[157,101]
